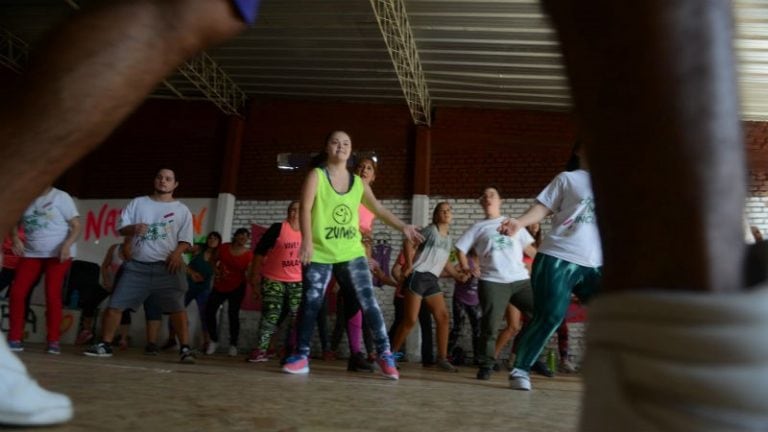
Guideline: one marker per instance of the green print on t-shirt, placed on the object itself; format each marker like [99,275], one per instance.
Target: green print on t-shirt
[500,242]
[158,231]
[588,215]
[37,221]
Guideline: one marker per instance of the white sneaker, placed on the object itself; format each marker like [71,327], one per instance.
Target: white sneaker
[24,402]
[211,348]
[519,380]
[232,351]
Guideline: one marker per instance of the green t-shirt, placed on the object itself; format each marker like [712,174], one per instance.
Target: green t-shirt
[335,222]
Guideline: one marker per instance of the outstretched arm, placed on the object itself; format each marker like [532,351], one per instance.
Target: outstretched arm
[93,72]
[534,214]
[373,204]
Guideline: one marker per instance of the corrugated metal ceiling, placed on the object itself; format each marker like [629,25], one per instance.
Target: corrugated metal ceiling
[484,53]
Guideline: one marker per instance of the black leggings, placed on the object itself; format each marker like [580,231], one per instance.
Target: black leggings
[234,299]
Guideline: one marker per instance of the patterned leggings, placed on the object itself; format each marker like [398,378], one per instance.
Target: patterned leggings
[354,275]
[275,297]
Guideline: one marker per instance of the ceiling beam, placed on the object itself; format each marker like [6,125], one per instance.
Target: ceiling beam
[14,52]
[214,83]
[394,26]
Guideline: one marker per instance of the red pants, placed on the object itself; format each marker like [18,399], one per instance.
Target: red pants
[27,272]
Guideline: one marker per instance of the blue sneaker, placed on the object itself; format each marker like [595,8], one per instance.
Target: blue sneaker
[296,365]
[16,346]
[399,355]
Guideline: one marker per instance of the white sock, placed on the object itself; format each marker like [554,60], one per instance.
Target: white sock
[677,361]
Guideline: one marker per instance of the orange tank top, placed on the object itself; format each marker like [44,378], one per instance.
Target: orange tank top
[282,262]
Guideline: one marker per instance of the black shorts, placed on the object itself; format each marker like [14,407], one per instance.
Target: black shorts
[423,284]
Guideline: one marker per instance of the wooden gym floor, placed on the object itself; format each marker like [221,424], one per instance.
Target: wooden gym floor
[134,392]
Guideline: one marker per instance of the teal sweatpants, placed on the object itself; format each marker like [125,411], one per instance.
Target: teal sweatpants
[553,280]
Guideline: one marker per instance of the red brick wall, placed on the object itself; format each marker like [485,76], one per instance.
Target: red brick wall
[517,151]
[520,151]
[756,137]
[300,127]
[188,137]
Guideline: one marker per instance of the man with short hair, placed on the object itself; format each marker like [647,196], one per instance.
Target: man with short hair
[503,277]
[161,228]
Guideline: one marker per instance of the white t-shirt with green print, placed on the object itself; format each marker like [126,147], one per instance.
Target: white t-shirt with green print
[46,224]
[574,236]
[500,256]
[168,224]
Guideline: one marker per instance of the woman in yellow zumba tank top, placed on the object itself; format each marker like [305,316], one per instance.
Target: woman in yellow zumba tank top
[331,244]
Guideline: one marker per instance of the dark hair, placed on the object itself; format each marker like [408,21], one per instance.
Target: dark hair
[241,231]
[437,209]
[290,204]
[213,234]
[168,169]
[321,158]
[494,187]
[367,157]
[574,162]
[202,247]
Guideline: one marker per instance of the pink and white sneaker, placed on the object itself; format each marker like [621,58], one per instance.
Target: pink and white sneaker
[388,366]
[296,365]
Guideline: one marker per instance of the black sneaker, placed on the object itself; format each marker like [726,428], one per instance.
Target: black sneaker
[484,373]
[187,355]
[151,349]
[540,368]
[101,349]
[357,363]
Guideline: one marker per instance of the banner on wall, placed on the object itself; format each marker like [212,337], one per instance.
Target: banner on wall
[249,304]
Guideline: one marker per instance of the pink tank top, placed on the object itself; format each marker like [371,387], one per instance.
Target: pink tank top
[366,220]
[282,262]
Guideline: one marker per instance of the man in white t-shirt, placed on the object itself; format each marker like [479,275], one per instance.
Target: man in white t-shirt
[51,226]
[161,228]
[503,276]
[569,261]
